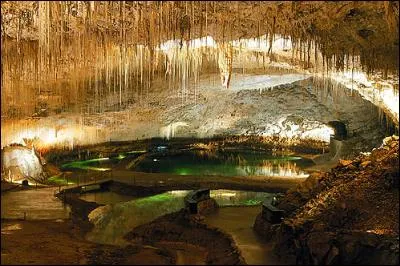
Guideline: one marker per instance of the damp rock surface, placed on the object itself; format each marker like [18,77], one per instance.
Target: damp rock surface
[348,215]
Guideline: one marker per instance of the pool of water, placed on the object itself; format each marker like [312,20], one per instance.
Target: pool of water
[238,222]
[118,217]
[100,164]
[105,197]
[232,163]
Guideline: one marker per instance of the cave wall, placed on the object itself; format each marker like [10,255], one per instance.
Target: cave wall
[86,66]
[58,56]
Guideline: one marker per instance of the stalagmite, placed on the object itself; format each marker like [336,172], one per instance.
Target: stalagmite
[89,58]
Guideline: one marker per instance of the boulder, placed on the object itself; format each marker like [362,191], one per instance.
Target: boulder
[21,163]
[344,162]
[319,244]
[365,164]
[263,227]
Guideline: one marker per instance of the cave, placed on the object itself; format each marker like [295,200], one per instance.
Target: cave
[200,132]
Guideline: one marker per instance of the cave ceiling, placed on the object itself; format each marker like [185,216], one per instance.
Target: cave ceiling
[60,52]
[370,28]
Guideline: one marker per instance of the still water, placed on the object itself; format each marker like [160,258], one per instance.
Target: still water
[101,164]
[238,222]
[243,163]
[202,162]
[118,217]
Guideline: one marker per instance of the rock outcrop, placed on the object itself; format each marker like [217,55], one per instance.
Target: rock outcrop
[182,227]
[347,216]
[19,163]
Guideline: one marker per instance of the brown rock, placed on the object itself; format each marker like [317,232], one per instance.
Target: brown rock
[365,164]
[333,254]
[263,227]
[319,226]
[344,162]
[318,243]
[351,167]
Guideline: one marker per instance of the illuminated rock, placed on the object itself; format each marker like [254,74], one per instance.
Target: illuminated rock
[169,130]
[345,162]
[21,163]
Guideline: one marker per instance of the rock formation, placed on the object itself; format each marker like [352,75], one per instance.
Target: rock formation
[346,216]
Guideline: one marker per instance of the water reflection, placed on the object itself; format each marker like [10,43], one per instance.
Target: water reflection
[238,198]
[275,168]
[100,164]
[227,163]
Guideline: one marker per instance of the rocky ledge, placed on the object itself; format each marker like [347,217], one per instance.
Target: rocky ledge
[349,215]
[182,227]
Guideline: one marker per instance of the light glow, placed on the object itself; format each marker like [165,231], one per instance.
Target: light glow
[380,93]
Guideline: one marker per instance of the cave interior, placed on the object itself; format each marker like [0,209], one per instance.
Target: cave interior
[154,128]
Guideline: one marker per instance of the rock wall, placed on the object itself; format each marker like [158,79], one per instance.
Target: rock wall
[254,106]
[178,227]
[347,216]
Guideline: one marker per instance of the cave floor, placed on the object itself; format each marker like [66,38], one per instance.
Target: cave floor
[59,242]
[238,222]
[42,242]
[36,204]
[19,237]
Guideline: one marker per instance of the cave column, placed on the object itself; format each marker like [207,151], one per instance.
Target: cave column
[225,58]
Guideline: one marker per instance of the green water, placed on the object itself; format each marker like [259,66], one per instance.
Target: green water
[59,181]
[100,164]
[113,221]
[243,163]
[93,164]
[200,162]
[118,217]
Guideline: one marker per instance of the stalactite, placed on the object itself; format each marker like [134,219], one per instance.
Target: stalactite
[80,58]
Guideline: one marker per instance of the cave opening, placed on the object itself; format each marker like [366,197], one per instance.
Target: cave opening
[340,131]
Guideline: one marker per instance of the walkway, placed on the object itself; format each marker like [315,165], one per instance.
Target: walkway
[37,204]
[183,182]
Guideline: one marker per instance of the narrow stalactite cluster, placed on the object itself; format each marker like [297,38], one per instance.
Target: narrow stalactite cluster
[92,57]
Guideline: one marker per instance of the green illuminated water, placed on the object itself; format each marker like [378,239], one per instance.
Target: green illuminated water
[100,164]
[243,163]
[113,221]
[226,163]
[93,164]
[59,181]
